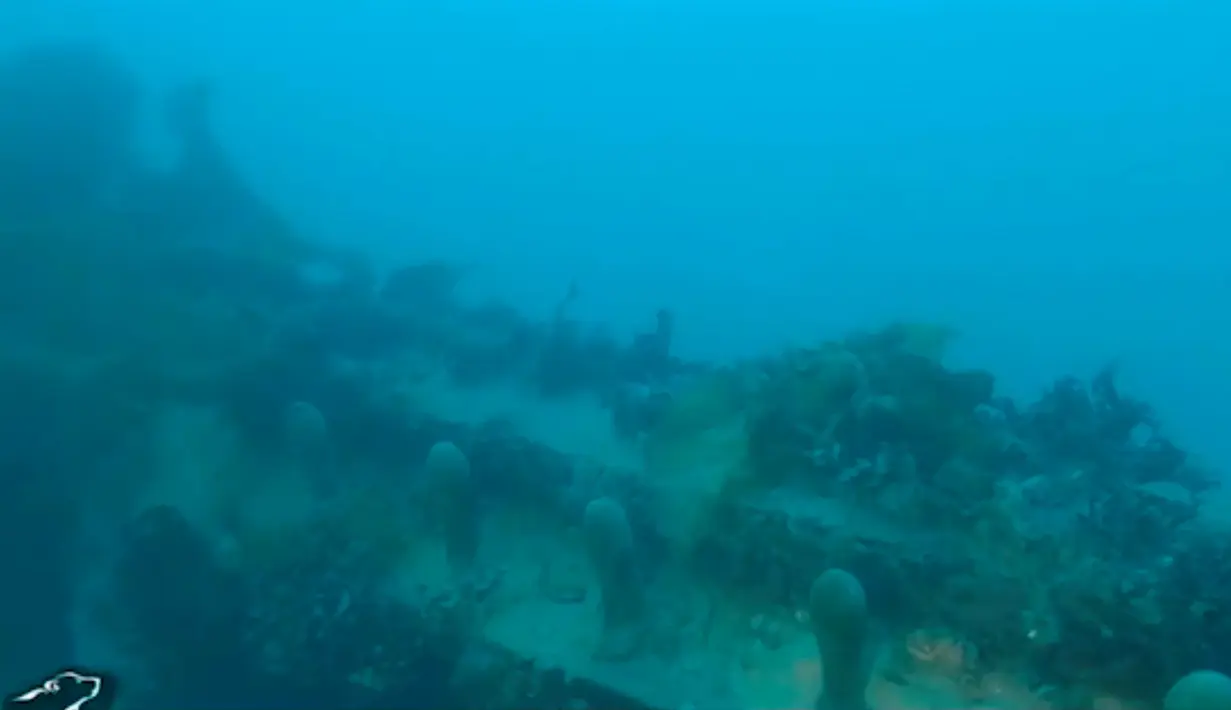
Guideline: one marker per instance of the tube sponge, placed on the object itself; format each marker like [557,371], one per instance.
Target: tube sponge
[839,610]
[609,542]
[1200,690]
[448,477]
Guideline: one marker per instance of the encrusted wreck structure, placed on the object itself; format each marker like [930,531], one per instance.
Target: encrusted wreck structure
[1045,554]
[277,504]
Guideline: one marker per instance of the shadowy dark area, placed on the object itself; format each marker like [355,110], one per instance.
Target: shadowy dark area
[67,131]
[38,520]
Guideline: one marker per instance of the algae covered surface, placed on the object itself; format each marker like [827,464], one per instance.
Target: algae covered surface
[364,490]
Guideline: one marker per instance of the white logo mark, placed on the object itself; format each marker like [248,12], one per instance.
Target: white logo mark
[52,686]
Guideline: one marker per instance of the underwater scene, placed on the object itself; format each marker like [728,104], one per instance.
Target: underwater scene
[249,462]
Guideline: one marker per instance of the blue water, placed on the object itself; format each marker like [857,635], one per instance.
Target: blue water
[1051,177]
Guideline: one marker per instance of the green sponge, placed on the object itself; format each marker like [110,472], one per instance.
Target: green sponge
[609,541]
[448,476]
[839,610]
[1200,690]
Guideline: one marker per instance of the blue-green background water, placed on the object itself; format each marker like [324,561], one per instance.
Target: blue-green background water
[1051,177]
